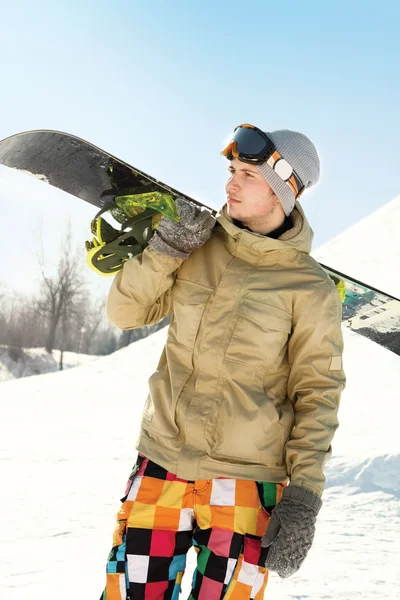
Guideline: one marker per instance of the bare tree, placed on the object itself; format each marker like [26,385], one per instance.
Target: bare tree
[92,322]
[59,293]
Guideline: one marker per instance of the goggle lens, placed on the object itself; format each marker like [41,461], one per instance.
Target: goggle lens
[249,142]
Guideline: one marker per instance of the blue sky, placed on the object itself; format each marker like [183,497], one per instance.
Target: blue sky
[162,85]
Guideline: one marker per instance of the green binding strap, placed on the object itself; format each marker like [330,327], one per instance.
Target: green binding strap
[107,257]
[160,201]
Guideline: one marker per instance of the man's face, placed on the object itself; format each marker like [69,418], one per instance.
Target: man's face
[249,197]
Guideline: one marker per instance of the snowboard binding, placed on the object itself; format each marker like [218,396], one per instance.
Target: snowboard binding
[138,215]
[340,286]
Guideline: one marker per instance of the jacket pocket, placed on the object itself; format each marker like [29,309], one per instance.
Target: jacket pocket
[189,302]
[260,334]
[250,432]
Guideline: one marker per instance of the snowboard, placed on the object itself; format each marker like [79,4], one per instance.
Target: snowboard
[95,176]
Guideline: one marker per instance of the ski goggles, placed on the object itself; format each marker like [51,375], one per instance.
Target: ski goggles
[251,145]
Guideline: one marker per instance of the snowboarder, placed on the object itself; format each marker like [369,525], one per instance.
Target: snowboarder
[243,406]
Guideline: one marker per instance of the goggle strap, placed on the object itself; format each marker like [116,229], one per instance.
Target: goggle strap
[294,181]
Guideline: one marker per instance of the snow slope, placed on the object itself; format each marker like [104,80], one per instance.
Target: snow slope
[67,445]
[369,250]
[36,361]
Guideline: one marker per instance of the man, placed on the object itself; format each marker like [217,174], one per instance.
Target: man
[246,393]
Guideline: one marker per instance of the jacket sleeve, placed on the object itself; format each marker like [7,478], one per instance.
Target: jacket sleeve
[141,292]
[315,384]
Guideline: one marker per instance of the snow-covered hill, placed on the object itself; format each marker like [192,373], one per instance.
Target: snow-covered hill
[36,361]
[369,250]
[67,445]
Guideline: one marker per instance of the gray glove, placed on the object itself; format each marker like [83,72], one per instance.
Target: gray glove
[179,240]
[291,530]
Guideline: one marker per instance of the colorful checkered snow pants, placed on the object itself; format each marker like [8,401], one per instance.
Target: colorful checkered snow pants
[162,516]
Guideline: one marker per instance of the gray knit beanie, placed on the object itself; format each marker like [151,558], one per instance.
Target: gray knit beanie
[301,154]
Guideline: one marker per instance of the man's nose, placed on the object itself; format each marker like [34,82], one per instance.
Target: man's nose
[232,184]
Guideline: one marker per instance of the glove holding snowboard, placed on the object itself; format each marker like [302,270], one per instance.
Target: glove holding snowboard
[180,239]
[291,530]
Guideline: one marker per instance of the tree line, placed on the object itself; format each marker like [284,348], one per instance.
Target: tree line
[62,315]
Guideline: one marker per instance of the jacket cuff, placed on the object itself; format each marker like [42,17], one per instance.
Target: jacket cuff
[303,496]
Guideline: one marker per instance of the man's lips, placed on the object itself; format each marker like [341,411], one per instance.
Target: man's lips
[233,200]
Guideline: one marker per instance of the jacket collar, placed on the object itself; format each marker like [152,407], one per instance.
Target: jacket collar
[252,247]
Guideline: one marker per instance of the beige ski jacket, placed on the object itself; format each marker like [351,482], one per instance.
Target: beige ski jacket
[249,382]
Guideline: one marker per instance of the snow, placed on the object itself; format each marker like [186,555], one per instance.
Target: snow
[67,445]
[369,249]
[36,361]
[38,176]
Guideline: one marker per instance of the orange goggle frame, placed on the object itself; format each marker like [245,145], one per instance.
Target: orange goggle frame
[250,144]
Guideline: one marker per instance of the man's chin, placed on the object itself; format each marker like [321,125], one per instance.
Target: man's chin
[233,210]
